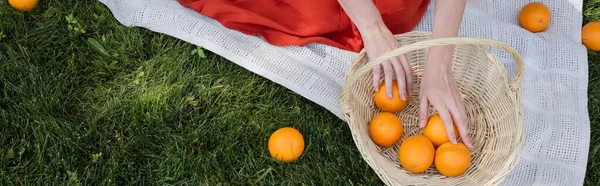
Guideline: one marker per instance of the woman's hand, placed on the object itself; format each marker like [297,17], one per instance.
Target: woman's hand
[377,42]
[378,39]
[438,88]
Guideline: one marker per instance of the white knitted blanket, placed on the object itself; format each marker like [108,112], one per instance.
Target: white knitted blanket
[554,90]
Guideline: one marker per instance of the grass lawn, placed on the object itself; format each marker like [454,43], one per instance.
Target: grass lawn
[144,111]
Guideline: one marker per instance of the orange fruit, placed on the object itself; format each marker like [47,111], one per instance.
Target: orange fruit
[286,144]
[385,129]
[534,17]
[23,5]
[386,104]
[435,130]
[416,154]
[452,160]
[590,36]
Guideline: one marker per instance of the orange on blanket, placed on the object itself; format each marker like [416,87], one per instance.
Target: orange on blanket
[534,17]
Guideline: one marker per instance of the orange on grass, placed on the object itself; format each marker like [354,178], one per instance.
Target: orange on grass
[534,17]
[590,36]
[385,129]
[435,130]
[416,154]
[386,104]
[23,5]
[286,144]
[452,160]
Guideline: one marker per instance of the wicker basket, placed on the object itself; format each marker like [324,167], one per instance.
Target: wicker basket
[494,110]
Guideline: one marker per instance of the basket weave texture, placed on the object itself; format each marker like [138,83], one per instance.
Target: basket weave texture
[491,99]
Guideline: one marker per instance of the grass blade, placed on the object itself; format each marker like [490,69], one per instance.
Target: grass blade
[97,46]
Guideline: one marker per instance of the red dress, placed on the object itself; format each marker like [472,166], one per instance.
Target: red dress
[301,22]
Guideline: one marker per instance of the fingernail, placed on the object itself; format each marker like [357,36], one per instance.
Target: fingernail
[422,123]
[389,95]
[403,96]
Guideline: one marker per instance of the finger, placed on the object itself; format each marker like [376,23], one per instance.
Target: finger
[423,111]
[387,70]
[447,120]
[376,75]
[460,117]
[464,136]
[400,77]
[408,73]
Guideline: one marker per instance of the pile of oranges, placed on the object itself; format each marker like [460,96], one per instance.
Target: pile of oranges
[419,152]
[535,17]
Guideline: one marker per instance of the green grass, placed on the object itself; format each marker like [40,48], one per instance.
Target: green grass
[591,12]
[144,111]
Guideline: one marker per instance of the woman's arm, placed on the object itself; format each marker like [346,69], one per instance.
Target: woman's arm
[363,13]
[438,86]
[378,39]
[448,15]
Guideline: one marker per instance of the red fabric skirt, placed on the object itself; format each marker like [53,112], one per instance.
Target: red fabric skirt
[301,22]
